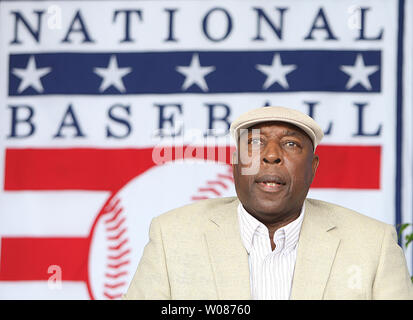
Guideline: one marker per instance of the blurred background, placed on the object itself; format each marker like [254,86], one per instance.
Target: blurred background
[113,112]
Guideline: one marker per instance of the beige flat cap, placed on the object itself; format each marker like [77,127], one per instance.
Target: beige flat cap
[265,114]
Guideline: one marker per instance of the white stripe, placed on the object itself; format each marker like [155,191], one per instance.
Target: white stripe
[47,213]
[34,290]
[271,272]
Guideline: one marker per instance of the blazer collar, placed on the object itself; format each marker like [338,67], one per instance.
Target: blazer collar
[317,247]
[228,257]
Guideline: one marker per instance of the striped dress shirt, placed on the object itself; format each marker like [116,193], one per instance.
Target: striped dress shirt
[271,272]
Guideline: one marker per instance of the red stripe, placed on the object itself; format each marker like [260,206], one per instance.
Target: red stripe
[82,168]
[74,169]
[350,167]
[30,258]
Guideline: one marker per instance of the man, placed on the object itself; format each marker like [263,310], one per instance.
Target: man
[270,242]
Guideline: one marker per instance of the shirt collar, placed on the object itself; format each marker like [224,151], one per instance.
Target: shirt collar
[250,226]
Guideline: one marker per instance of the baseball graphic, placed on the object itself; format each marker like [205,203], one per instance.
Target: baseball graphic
[120,231]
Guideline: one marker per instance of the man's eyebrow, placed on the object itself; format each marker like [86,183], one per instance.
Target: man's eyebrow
[287,132]
[291,133]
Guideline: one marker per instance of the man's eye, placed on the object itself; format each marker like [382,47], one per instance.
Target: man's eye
[255,141]
[291,144]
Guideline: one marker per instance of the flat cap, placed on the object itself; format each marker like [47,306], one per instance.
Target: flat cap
[265,114]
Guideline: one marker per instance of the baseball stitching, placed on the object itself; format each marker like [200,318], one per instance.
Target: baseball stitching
[118,250]
[215,188]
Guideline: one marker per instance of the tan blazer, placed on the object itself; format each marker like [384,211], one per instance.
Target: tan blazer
[196,252]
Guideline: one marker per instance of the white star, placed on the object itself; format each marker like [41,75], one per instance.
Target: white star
[359,73]
[195,73]
[276,72]
[30,76]
[112,75]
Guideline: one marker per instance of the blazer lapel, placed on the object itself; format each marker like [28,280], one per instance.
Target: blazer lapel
[315,255]
[229,259]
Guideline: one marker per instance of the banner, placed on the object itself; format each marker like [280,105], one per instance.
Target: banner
[114,112]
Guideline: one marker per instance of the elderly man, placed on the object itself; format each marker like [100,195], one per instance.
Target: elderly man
[270,242]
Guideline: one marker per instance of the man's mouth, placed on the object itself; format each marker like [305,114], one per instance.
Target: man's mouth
[271,182]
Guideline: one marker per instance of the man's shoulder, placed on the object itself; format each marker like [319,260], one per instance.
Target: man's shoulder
[346,218]
[198,211]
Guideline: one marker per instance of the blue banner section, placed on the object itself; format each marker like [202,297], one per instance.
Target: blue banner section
[194,72]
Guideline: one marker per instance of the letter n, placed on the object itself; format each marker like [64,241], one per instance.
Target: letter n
[34,31]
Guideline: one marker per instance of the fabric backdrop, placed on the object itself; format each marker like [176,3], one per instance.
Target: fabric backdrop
[114,112]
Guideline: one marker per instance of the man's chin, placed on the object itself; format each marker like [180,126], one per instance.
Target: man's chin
[270,208]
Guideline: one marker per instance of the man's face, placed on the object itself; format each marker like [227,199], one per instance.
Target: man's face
[285,165]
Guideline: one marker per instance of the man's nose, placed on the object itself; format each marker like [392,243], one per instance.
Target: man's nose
[272,153]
